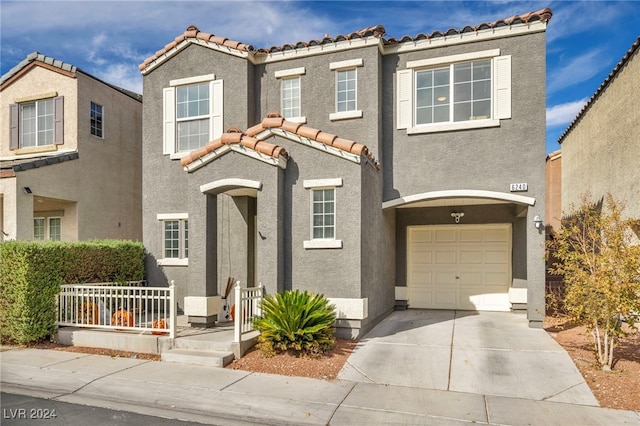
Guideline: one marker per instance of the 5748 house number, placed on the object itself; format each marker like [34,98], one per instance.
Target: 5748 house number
[29,413]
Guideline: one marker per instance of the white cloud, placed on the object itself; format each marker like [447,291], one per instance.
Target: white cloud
[563,114]
[578,70]
[122,75]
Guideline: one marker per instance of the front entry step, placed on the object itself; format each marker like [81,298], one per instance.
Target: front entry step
[197,357]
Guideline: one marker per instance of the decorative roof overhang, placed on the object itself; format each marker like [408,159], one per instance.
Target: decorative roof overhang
[457,197]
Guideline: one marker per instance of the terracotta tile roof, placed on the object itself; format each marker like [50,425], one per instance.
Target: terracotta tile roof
[540,15]
[632,50]
[250,139]
[193,34]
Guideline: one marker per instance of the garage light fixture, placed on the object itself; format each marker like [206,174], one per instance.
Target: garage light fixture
[457,216]
[537,222]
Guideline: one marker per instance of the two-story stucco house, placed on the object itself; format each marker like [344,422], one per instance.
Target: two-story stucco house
[601,146]
[70,155]
[377,171]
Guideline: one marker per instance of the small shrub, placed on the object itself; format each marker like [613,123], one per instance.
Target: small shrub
[298,321]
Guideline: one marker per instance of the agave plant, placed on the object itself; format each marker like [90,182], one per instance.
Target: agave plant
[295,320]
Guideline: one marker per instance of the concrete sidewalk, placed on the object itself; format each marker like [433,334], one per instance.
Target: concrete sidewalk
[223,396]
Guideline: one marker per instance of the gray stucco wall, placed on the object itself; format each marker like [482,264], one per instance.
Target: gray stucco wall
[318,94]
[373,254]
[477,159]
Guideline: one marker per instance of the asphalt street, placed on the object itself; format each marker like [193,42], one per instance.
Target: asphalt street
[26,410]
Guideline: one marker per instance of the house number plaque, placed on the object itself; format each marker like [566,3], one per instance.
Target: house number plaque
[518,187]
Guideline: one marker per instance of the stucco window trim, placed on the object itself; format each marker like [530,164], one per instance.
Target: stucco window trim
[445,127]
[192,80]
[322,244]
[292,72]
[341,65]
[345,115]
[464,57]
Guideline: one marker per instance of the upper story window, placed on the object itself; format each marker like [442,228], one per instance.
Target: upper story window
[291,97]
[459,92]
[346,89]
[291,93]
[36,123]
[323,213]
[96,120]
[192,114]
[455,92]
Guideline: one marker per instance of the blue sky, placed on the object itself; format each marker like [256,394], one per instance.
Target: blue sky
[109,39]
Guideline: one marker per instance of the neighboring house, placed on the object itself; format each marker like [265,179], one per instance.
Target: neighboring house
[601,147]
[70,157]
[396,171]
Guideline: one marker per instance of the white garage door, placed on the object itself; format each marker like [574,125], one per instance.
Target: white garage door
[459,267]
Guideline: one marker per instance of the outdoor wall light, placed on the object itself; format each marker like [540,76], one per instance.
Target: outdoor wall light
[457,216]
[27,190]
[537,221]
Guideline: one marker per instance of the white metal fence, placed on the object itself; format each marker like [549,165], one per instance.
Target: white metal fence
[247,308]
[120,307]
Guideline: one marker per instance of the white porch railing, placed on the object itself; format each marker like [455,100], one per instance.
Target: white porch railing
[120,307]
[247,302]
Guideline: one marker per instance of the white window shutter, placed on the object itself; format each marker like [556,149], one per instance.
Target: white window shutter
[404,89]
[502,87]
[169,121]
[216,108]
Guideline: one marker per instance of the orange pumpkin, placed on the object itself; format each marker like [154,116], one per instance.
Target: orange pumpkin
[88,313]
[232,312]
[159,323]
[122,318]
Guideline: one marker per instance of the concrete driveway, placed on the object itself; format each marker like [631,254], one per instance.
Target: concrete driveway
[489,353]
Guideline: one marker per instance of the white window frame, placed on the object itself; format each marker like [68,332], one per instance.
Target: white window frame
[47,228]
[169,115]
[338,67]
[101,122]
[290,74]
[183,239]
[323,243]
[37,106]
[500,92]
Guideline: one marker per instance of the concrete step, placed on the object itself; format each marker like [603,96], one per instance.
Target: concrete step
[203,344]
[197,357]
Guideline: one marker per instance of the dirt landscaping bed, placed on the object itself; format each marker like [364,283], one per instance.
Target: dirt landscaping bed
[619,388]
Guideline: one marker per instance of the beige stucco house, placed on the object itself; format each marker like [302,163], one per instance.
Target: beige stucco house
[601,147]
[70,155]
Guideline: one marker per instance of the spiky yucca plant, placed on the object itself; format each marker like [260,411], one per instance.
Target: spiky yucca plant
[295,320]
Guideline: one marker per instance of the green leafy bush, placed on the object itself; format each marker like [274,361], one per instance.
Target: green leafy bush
[31,274]
[297,321]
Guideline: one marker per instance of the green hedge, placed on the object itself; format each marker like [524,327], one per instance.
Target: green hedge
[31,274]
